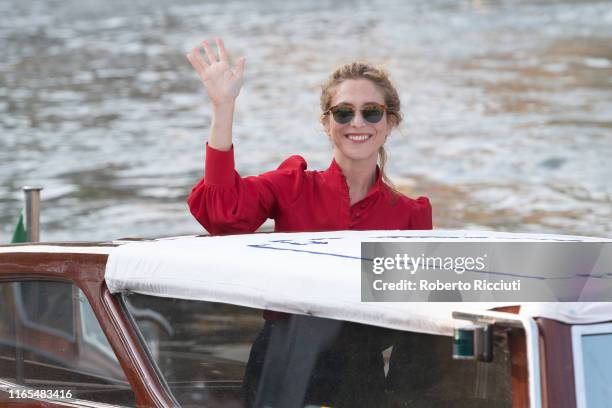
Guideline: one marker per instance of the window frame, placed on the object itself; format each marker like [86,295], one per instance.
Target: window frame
[86,270]
[86,334]
[123,304]
[80,293]
[578,331]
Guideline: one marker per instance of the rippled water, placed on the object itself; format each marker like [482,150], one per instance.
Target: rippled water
[508,106]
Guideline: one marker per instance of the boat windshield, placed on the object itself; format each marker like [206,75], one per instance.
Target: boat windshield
[220,355]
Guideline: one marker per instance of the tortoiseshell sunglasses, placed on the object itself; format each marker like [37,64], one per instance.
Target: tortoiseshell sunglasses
[343,113]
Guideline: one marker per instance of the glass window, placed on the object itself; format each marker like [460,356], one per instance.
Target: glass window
[201,348]
[51,339]
[52,313]
[91,330]
[422,374]
[593,364]
[221,355]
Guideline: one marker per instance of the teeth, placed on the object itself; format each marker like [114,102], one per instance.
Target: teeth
[358,137]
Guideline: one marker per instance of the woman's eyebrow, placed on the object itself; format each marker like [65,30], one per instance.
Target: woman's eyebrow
[352,104]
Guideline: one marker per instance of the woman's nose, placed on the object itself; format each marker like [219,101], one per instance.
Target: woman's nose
[358,119]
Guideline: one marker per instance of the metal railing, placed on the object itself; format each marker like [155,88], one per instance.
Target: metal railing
[32,212]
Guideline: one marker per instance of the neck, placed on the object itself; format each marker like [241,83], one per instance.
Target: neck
[360,175]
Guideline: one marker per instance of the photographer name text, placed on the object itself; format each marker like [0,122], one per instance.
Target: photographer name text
[437,285]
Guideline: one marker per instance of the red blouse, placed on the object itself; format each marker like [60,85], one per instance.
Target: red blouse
[297,199]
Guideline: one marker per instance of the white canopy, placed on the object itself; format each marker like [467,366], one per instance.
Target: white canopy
[307,273]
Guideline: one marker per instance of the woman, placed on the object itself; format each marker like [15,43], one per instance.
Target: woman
[360,107]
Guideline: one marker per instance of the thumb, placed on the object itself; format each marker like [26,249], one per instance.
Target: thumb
[240,67]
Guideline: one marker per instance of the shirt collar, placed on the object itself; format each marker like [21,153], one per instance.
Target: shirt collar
[335,172]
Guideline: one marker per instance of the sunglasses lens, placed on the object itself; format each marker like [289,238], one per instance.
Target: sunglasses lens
[372,114]
[343,115]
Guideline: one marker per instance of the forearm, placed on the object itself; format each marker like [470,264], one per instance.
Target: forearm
[220,136]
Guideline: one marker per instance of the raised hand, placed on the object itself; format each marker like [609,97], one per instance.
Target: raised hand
[221,83]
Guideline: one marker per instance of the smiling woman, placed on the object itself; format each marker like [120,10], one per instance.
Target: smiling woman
[360,107]
[360,82]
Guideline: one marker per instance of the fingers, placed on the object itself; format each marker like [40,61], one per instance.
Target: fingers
[221,48]
[192,61]
[198,63]
[196,59]
[240,67]
[201,64]
[209,52]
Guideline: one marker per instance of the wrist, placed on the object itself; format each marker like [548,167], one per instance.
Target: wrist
[224,106]
[220,136]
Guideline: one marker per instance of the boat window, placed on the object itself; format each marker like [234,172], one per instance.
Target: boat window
[53,314]
[90,328]
[593,364]
[221,355]
[50,339]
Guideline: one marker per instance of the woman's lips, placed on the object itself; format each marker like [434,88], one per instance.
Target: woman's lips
[358,137]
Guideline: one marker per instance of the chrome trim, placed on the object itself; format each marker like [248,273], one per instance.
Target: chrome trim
[490,317]
[533,361]
[32,212]
[527,323]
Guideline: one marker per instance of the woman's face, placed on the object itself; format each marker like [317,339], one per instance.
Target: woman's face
[359,139]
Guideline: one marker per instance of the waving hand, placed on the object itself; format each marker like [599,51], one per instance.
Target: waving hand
[221,83]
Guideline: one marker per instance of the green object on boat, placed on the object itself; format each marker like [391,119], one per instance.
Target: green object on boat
[463,344]
[19,235]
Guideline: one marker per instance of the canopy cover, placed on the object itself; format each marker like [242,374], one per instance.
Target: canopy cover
[308,273]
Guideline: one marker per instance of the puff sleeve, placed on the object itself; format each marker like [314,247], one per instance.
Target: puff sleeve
[225,203]
[421,214]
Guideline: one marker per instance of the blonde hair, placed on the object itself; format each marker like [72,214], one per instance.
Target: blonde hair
[380,78]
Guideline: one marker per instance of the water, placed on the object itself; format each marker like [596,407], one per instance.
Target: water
[508,106]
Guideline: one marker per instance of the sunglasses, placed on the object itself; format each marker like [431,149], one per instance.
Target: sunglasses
[370,112]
